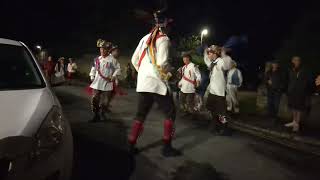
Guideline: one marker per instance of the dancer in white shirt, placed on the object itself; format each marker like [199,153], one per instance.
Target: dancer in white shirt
[216,102]
[103,73]
[190,80]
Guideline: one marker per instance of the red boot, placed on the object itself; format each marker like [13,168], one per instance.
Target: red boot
[168,150]
[136,130]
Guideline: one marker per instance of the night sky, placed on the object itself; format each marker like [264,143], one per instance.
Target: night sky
[73,26]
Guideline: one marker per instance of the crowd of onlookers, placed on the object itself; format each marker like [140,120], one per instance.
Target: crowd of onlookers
[297,83]
[59,71]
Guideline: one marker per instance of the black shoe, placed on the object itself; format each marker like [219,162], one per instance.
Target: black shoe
[103,117]
[95,119]
[169,151]
[133,150]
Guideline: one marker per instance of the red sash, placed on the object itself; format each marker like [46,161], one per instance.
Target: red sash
[189,80]
[99,72]
[145,50]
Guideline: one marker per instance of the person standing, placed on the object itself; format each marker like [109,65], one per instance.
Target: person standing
[150,60]
[72,69]
[49,69]
[190,80]
[59,71]
[275,83]
[234,81]
[102,75]
[299,92]
[216,102]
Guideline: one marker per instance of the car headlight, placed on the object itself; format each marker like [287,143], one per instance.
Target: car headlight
[50,134]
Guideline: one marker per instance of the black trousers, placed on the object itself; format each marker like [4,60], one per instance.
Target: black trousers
[146,100]
[274,98]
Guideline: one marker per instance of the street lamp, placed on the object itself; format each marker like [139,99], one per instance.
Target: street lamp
[38,47]
[204,32]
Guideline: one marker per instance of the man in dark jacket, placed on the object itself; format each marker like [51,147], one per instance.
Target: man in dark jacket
[275,82]
[299,92]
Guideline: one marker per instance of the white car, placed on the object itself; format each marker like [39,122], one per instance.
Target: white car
[35,138]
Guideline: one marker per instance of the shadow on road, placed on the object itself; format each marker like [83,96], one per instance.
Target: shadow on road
[95,159]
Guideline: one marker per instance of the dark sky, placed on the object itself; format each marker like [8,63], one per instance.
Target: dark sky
[73,25]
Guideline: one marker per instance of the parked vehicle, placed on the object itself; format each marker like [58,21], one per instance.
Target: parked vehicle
[35,138]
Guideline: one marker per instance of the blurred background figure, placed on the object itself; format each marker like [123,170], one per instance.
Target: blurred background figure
[72,69]
[49,69]
[299,92]
[129,78]
[275,83]
[234,81]
[59,71]
[318,83]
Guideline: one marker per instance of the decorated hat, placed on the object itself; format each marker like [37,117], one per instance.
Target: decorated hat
[61,58]
[214,49]
[114,47]
[103,44]
[160,18]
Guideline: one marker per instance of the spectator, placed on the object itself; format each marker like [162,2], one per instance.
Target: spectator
[49,69]
[299,91]
[234,81]
[59,71]
[275,83]
[72,69]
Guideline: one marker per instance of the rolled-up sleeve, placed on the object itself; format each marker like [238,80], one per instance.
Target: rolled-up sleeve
[206,59]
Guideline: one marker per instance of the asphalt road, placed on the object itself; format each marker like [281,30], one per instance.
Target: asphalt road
[101,148]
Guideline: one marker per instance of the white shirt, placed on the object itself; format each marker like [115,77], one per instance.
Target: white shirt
[148,79]
[192,73]
[217,84]
[59,72]
[72,67]
[230,73]
[109,67]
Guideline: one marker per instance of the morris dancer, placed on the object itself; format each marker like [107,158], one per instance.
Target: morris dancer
[191,79]
[216,102]
[150,60]
[102,74]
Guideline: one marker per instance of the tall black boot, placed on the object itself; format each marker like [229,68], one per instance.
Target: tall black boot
[168,150]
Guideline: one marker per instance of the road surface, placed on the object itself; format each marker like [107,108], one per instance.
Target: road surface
[101,148]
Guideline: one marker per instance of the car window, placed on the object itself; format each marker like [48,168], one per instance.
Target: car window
[18,69]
